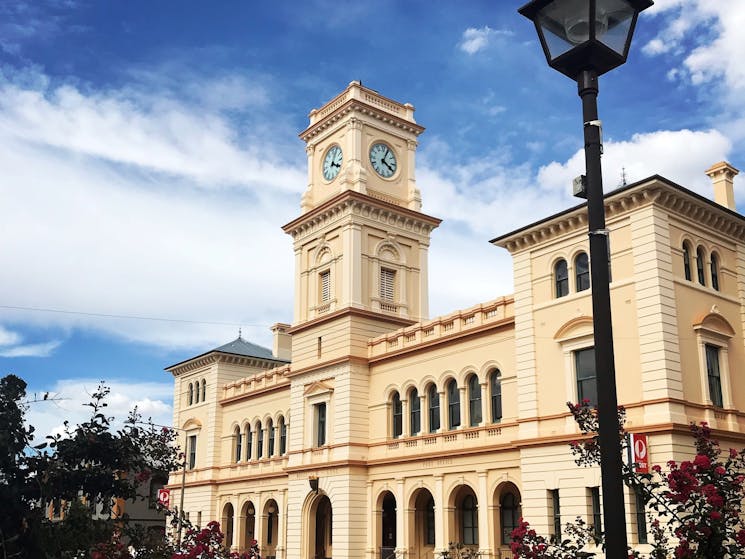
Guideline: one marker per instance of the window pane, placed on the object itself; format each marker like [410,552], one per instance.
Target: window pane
[320,424]
[238,444]
[700,266]
[687,261]
[249,443]
[453,405]
[415,425]
[260,441]
[715,272]
[641,516]
[282,437]
[582,271]
[496,396]
[434,409]
[561,277]
[270,431]
[712,371]
[192,451]
[397,409]
[474,401]
[430,522]
[584,361]
[597,517]
[556,511]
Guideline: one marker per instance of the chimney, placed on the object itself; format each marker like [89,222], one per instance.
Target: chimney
[282,346]
[722,176]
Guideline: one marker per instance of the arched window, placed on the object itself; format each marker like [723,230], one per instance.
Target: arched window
[687,261]
[397,415]
[204,390]
[196,392]
[474,401]
[191,394]
[700,265]
[582,272]
[415,413]
[238,444]
[270,432]
[470,525]
[715,271]
[510,515]
[453,404]
[249,443]
[259,441]
[495,387]
[433,405]
[561,278]
[282,436]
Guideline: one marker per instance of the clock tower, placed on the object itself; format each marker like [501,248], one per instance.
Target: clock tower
[361,242]
[361,245]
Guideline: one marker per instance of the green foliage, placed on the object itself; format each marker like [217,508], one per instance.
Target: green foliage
[87,467]
[697,505]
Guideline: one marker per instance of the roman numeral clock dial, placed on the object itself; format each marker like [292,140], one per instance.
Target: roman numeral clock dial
[383,160]
[332,163]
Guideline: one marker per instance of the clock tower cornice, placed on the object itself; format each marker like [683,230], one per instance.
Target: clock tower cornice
[365,102]
[355,203]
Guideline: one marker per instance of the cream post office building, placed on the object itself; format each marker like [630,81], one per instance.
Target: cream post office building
[371,430]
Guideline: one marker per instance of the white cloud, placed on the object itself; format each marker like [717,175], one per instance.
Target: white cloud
[475,39]
[30,350]
[67,398]
[714,27]
[122,203]
[8,337]
[679,155]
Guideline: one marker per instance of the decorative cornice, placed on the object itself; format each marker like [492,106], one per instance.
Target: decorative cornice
[654,190]
[338,109]
[351,311]
[354,203]
[220,357]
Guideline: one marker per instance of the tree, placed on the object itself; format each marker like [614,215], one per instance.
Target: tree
[697,504]
[88,467]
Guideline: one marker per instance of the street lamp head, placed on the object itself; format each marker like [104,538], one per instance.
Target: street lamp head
[578,35]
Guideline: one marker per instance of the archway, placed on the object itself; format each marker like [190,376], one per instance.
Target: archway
[270,534]
[248,516]
[463,523]
[507,502]
[321,528]
[227,524]
[388,526]
[421,514]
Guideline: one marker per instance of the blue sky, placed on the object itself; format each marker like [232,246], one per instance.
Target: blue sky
[149,157]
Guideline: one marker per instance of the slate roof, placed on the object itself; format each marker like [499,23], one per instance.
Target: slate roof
[239,346]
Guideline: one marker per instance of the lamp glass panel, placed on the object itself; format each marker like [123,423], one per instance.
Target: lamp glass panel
[564,25]
[617,16]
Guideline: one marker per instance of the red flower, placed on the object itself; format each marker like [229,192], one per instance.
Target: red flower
[715,515]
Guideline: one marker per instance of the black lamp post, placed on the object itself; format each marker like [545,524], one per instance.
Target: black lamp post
[584,39]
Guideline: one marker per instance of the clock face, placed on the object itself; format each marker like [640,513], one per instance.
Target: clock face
[332,163]
[383,160]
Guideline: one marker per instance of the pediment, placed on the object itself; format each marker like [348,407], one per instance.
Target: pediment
[318,387]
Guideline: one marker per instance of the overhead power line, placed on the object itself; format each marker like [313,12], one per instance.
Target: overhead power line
[129,316]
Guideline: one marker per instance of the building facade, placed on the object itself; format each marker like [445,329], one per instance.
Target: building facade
[372,431]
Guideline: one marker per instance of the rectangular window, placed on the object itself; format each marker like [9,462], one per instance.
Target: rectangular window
[556,513]
[387,284]
[641,516]
[192,451]
[320,424]
[325,281]
[597,515]
[712,372]
[584,365]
